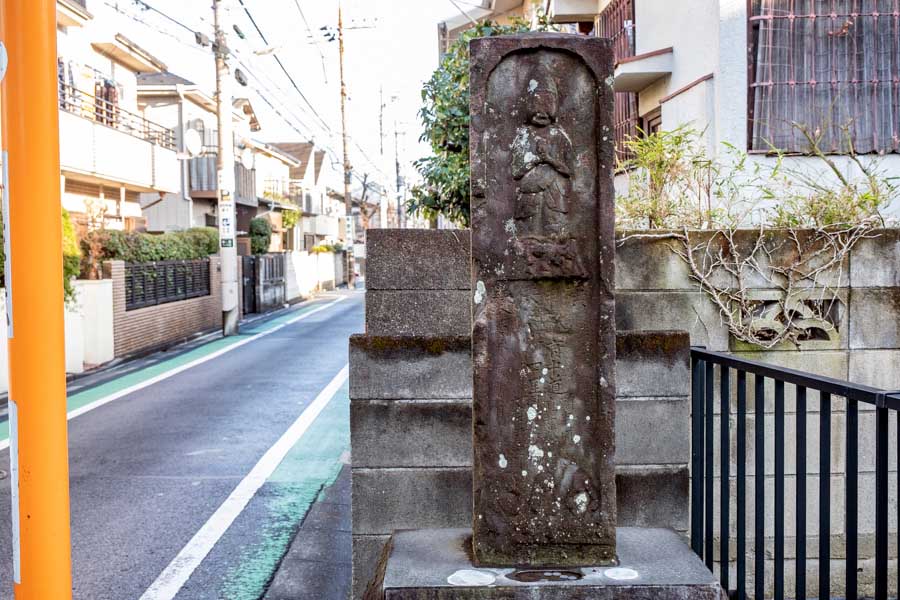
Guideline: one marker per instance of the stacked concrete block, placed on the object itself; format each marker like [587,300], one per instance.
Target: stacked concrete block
[411,391]
[653,428]
[410,388]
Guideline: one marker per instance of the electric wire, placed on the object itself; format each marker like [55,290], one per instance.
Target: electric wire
[309,134]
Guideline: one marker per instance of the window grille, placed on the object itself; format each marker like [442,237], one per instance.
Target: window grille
[830,68]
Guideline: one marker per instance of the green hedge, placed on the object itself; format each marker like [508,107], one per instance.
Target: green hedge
[198,242]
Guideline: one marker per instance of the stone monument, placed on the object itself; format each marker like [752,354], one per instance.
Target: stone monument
[543,349]
[544,326]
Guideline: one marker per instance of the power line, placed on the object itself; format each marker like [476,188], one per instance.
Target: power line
[164,15]
[328,129]
[280,64]
[287,121]
[309,134]
[315,38]
[169,34]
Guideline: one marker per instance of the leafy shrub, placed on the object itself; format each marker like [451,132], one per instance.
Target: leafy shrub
[445,117]
[204,237]
[336,247]
[103,244]
[674,183]
[71,255]
[260,235]
[289,218]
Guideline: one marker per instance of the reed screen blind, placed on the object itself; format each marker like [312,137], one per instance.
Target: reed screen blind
[830,68]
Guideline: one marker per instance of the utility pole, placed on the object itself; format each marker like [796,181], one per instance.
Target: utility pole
[384,203]
[38,446]
[225,174]
[348,200]
[399,181]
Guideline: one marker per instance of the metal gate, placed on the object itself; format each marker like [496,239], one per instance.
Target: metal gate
[270,282]
[263,282]
[248,283]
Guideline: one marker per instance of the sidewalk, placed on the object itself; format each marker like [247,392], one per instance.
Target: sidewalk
[317,563]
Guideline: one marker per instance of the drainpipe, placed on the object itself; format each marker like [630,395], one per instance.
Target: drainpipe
[185,162]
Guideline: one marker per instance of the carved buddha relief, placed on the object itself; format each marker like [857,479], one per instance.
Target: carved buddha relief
[542,160]
[542,166]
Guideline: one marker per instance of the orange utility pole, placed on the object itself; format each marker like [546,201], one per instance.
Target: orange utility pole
[34,302]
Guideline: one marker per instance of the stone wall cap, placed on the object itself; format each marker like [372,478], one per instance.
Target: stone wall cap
[390,344]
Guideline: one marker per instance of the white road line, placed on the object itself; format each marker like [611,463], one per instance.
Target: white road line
[163,376]
[176,574]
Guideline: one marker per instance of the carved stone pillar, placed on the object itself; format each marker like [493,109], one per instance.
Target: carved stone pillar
[544,327]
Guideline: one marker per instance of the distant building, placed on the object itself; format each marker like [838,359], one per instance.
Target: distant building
[191,114]
[322,217]
[110,153]
[501,11]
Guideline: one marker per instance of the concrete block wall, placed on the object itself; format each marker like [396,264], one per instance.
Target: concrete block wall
[411,391]
[153,327]
[653,290]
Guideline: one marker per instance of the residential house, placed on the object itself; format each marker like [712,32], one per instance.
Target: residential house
[755,75]
[760,74]
[109,152]
[191,112]
[321,221]
[500,11]
[277,193]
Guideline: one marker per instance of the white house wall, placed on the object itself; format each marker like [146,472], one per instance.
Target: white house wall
[710,37]
[688,27]
[172,213]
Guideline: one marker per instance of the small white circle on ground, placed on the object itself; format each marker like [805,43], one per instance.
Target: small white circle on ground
[621,573]
[469,577]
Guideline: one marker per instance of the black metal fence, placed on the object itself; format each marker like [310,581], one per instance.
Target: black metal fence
[704,367]
[149,284]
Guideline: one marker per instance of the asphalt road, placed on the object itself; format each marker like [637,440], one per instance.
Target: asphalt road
[149,469]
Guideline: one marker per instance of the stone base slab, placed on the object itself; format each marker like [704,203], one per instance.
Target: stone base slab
[435,564]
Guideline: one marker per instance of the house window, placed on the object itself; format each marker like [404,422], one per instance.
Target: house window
[826,68]
[652,122]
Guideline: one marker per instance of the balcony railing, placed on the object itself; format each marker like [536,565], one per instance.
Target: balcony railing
[705,416]
[110,114]
[284,191]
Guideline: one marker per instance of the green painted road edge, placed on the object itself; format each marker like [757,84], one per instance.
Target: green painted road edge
[313,463]
[79,399]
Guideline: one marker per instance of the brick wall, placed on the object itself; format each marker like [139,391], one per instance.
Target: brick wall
[154,327]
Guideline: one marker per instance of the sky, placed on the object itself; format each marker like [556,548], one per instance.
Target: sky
[390,50]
